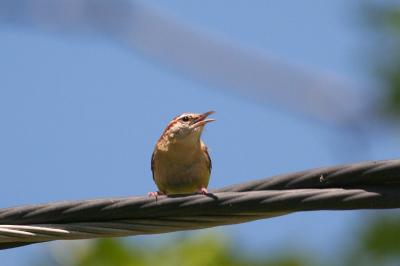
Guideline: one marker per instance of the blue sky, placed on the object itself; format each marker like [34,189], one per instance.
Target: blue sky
[80,115]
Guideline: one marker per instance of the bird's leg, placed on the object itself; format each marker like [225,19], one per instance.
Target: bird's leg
[203,191]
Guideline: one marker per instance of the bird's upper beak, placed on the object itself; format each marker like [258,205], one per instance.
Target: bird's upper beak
[202,120]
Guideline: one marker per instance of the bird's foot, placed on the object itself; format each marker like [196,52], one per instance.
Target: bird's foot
[155,194]
[203,191]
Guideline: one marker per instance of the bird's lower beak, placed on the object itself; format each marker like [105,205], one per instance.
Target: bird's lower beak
[202,120]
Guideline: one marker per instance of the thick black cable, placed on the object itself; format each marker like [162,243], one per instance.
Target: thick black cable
[368,185]
[385,172]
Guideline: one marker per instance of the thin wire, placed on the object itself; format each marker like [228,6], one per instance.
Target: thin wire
[367,185]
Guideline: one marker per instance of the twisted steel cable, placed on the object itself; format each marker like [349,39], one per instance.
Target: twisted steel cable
[367,185]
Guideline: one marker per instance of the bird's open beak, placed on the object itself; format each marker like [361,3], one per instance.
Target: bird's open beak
[202,120]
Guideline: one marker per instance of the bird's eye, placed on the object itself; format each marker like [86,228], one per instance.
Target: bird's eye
[185,118]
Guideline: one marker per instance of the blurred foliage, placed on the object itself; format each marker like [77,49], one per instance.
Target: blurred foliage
[378,243]
[208,250]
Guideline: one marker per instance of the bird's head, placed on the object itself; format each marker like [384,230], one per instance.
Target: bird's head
[187,126]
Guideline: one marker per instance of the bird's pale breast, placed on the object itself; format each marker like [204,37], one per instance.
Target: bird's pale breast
[181,170]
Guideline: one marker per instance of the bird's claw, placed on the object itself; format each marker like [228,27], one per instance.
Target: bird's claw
[203,191]
[153,194]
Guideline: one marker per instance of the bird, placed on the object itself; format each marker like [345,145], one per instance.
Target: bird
[180,162]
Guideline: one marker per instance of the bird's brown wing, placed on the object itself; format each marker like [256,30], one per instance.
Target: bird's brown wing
[152,163]
[209,162]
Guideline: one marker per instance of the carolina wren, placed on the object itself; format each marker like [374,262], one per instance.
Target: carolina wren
[180,162]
